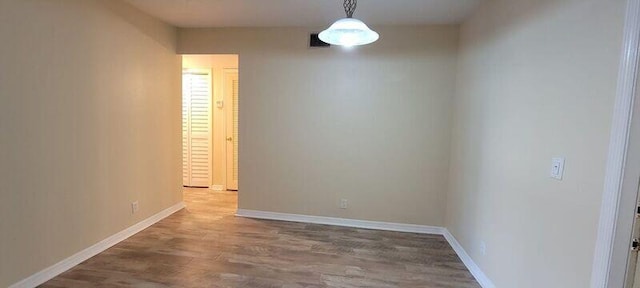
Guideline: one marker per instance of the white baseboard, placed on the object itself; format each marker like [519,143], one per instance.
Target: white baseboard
[398,227]
[482,278]
[217,187]
[66,264]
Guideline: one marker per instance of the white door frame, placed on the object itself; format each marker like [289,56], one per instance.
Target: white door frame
[616,213]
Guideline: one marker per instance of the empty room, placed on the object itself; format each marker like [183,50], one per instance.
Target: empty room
[320,143]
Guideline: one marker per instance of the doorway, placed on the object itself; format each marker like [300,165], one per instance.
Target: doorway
[616,257]
[210,123]
[630,204]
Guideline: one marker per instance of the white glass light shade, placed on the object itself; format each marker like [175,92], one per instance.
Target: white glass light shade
[348,32]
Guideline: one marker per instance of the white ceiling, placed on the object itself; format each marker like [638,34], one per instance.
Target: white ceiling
[278,13]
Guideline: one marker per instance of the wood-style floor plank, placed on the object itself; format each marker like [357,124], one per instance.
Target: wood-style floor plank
[205,245]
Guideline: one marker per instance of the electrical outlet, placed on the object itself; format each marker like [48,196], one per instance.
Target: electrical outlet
[344,203]
[483,248]
[134,207]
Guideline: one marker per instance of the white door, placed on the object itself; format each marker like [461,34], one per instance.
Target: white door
[230,88]
[633,266]
[196,127]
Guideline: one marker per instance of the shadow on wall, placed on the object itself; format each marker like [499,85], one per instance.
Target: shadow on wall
[144,23]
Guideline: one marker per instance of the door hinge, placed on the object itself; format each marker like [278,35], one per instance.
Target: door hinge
[635,244]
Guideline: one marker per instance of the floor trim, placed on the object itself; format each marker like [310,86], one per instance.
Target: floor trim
[68,263]
[217,187]
[475,270]
[398,227]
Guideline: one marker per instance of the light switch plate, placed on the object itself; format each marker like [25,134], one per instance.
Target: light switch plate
[557,168]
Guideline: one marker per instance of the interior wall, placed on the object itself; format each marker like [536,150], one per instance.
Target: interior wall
[370,124]
[536,80]
[90,122]
[217,64]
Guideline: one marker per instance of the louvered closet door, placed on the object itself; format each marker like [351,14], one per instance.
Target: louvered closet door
[186,87]
[198,106]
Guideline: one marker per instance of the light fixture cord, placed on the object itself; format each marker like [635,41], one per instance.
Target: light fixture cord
[350,7]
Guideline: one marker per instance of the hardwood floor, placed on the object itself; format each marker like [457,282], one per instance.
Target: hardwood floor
[205,245]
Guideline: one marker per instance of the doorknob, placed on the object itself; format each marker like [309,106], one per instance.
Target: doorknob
[229,139]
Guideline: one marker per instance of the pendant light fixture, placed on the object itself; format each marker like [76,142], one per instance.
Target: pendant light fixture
[349,31]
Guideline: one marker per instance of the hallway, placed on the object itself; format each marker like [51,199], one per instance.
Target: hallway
[205,245]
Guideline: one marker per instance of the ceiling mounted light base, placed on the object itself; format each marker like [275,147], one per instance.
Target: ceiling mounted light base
[349,31]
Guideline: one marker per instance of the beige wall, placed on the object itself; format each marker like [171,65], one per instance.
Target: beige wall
[536,80]
[217,64]
[316,125]
[90,121]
